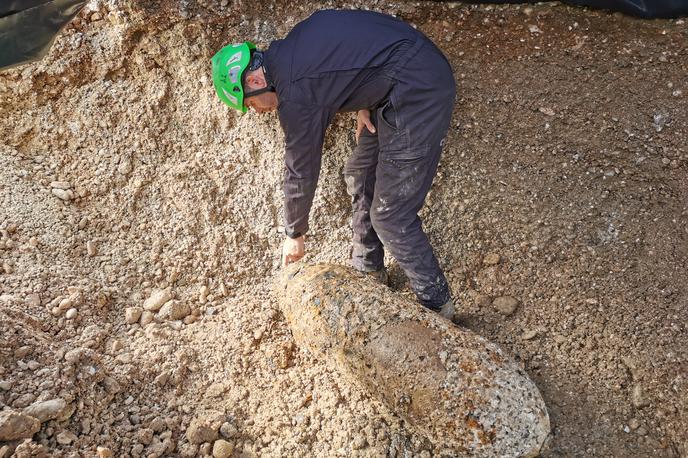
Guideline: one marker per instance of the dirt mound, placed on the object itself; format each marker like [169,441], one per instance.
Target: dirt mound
[562,186]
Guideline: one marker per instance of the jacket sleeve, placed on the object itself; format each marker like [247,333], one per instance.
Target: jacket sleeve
[304,131]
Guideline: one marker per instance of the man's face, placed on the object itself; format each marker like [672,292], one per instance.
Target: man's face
[262,103]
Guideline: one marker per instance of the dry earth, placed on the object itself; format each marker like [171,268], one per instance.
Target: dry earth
[563,185]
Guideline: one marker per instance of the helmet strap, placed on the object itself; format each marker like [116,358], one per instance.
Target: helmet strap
[259,91]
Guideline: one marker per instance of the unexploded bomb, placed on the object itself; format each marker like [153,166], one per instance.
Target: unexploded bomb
[456,388]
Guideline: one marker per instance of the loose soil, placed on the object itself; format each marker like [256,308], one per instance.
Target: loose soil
[563,184]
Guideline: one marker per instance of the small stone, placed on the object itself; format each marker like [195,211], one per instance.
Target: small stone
[205,449]
[31,449]
[15,425]
[62,194]
[530,334]
[642,431]
[157,424]
[190,319]
[157,299]
[91,248]
[132,314]
[111,385]
[638,396]
[104,452]
[64,185]
[46,410]
[33,300]
[66,438]
[24,400]
[228,430]
[33,365]
[491,259]
[222,449]
[547,111]
[96,17]
[506,305]
[117,345]
[532,28]
[203,294]
[202,430]
[146,318]
[125,167]
[7,268]
[71,314]
[174,310]
[634,423]
[188,450]
[162,378]
[5,385]
[145,436]
[22,352]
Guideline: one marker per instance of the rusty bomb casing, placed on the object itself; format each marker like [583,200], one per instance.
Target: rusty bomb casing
[451,385]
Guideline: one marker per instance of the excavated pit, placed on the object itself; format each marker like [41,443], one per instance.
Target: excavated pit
[558,213]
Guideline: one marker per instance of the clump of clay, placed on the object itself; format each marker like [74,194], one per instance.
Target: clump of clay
[453,386]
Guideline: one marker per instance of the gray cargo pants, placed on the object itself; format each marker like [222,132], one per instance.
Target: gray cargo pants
[390,173]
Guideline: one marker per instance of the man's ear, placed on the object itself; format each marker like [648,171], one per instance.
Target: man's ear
[255,80]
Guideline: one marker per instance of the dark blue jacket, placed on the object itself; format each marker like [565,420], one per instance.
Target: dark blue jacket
[334,61]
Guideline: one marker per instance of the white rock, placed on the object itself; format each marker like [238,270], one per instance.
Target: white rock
[66,438]
[46,410]
[132,314]
[62,194]
[71,314]
[174,310]
[104,452]
[222,449]
[91,248]
[157,298]
[146,318]
[60,185]
[125,166]
[33,300]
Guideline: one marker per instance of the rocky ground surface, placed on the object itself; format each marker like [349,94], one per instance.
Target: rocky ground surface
[140,230]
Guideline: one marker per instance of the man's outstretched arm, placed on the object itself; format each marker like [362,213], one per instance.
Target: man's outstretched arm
[304,130]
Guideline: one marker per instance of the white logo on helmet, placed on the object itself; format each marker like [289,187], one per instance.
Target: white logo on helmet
[234,59]
[233,73]
[231,98]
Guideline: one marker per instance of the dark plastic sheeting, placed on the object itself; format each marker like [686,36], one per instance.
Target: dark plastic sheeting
[28,28]
[642,8]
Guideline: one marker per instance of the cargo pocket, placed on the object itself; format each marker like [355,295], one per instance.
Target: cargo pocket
[403,172]
[392,134]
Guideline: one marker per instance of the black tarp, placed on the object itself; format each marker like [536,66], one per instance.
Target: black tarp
[647,9]
[28,27]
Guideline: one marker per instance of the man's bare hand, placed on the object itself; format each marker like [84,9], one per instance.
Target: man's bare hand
[363,120]
[292,250]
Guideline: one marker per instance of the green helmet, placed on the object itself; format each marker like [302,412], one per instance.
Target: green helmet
[229,65]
